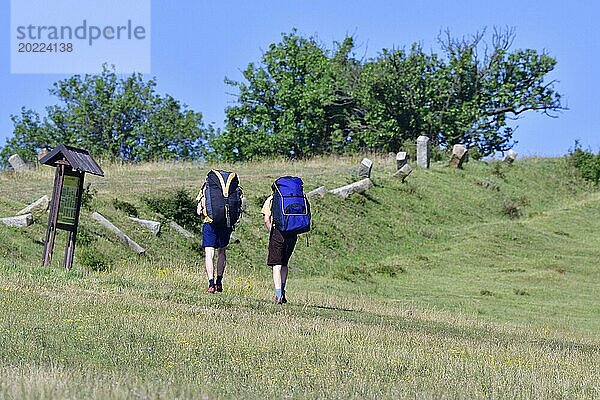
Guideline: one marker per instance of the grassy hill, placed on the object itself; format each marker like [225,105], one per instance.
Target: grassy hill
[474,283]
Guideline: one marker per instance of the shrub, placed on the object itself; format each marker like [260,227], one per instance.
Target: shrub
[94,260]
[178,205]
[498,170]
[511,209]
[437,153]
[126,207]
[475,153]
[390,269]
[354,273]
[488,183]
[585,162]
[87,196]
[410,147]
[84,236]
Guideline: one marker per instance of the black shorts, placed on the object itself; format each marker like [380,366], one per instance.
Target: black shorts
[280,247]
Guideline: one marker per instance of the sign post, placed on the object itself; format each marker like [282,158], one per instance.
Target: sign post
[71,165]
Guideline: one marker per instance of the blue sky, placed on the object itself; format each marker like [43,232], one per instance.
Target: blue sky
[196,44]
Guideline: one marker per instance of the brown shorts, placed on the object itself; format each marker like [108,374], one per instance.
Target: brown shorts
[280,247]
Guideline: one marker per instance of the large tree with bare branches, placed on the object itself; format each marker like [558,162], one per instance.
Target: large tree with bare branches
[488,85]
[467,95]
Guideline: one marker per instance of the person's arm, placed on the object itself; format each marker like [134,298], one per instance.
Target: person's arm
[199,200]
[267,220]
[266,212]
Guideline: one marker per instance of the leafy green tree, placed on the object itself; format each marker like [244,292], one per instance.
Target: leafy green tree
[115,118]
[302,99]
[293,103]
[399,92]
[30,135]
[585,162]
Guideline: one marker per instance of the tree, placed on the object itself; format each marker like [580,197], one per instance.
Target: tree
[302,100]
[399,92]
[115,118]
[468,96]
[30,135]
[293,104]
[485,89]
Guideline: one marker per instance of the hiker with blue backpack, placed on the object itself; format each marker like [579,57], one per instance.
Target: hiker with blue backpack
[286,214]
[220,204]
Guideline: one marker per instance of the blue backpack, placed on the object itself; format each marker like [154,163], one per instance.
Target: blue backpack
[291,210]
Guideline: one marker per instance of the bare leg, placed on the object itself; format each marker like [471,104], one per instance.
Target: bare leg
[209,262]
[284,275]
[277,277]
[221,261]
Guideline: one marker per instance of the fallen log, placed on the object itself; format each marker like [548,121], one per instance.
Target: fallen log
[120,234]
[357,187]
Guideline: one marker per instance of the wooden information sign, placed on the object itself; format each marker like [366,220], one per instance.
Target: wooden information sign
[71,165]
[70,198]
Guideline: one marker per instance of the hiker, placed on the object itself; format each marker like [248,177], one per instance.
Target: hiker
[286,214]
[220,203]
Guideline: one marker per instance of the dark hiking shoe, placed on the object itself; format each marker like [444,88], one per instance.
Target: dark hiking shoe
[283,299]
[211,289]
[219,287]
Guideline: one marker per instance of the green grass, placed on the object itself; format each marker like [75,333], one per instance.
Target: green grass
[427,289]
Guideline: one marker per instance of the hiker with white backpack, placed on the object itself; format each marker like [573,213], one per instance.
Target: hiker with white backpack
[220,204]
[286,214]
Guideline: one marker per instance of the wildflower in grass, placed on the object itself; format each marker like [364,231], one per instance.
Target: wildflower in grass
[161,273]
